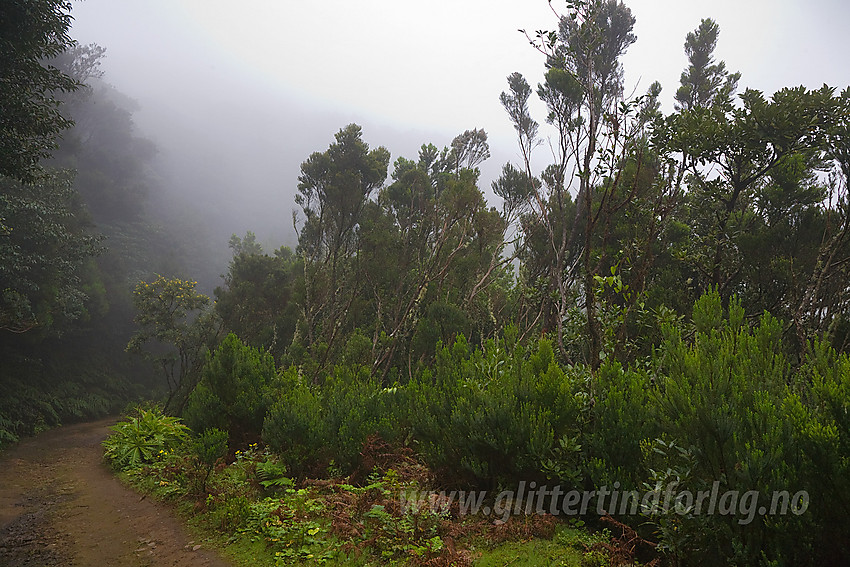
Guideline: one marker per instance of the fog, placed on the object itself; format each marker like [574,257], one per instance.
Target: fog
[236,95]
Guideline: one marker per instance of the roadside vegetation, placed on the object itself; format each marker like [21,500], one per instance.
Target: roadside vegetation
[328,474]
[247,503]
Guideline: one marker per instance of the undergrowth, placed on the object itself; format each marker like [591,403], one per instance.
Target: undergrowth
[270,519]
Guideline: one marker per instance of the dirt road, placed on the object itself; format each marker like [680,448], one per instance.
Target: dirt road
[59,505]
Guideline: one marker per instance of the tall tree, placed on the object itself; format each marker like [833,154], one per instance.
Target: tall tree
[46,246]
[31,32]
[821,309]
[763,221]
[174,332]
[734,150]
[430,247]
[333,189]
[257,300]
[596,139]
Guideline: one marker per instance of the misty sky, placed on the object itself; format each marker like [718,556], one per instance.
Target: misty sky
[237,94]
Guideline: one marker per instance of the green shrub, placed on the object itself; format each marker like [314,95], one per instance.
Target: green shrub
[492,414]
[312,425]
[355,406]
[233,393]
[824,431]
[142,438]
[209,447]
[728,398]
[295,426]
[621,415]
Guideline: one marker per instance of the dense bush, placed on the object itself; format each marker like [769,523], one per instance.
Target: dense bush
[233,393]
[209,447]
[321,425]
[492,415]
[620,418]
[489,415]
[718,402]
[728,398]
[819,416]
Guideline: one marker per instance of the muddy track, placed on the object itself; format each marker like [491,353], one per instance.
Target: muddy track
[60,505]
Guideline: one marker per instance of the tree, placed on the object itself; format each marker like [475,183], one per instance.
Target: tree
[704,83]
[257,300]
[245,246]
[46,276]
[600,156]
[112,161]
[388,270]
[430,246]
[46,240]
[821,309]
[31,32]
[176,341]
[65,299]
[469,149]
[333,190]
[233,391]
[761,219]
[743,145]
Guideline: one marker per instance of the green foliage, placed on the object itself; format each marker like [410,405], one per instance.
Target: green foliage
[621,414]
[327,522]
[312,425]
[33,32]
[492,415]
[705,82]
[247,246]
[821,415]
[728,399]
[45,246]
[566,549]
[142,438]
[282,524]
[396,537]
[422,259]
[209,447]
[257,301]
[31,401]
[272,475]
[231,514]
[333,190]
[164,308]
[233,393]
[650,250]
[63,294]
[295,426]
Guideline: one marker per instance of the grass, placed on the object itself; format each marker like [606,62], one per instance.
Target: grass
[567,548]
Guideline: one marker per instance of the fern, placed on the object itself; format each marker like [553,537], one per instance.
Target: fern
[271,474]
